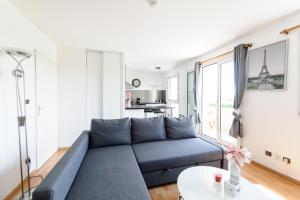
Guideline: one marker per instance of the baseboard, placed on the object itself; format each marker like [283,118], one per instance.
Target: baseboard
[276,172]
[63,148]
[17,189]
[35,172]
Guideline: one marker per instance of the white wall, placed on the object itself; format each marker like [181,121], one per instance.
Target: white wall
[71,90]
[17,31]
[270,118]
[149,80]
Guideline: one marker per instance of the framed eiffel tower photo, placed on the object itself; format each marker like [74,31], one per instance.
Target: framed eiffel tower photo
[267,67]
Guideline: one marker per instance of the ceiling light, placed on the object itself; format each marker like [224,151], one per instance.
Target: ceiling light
[153,2]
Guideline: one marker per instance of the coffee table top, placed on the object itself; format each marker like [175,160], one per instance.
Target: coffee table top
[197,183]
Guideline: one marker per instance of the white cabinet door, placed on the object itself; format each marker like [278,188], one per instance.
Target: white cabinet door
[113,85]
[104,85]
[94,71]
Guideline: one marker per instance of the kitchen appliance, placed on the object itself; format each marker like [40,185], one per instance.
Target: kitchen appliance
[147,96]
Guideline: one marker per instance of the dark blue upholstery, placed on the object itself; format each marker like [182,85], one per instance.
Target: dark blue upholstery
[180,128]
[148,129]
[58,182]
[224,161]
[109,173]
[114,172]
[161,177]
[159,155]
[110,132]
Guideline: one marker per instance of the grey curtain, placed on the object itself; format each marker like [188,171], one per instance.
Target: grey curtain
[196,89]
[240,55]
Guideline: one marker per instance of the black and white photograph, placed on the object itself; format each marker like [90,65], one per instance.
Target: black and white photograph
[267,67]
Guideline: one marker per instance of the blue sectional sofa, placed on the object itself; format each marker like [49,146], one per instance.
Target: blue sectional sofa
[119,159]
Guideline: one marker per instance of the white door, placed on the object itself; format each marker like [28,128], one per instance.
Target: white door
[94,70]
[46,108]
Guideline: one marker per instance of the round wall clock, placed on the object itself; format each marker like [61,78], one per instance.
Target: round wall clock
[136,82]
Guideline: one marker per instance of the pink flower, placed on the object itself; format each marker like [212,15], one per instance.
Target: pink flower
[240,156]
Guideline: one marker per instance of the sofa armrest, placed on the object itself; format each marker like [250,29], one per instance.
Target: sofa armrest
[215,143]
[58,182]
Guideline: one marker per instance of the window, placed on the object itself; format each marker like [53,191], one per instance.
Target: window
[217,100]
[173,89]
[190,94]
[173,94]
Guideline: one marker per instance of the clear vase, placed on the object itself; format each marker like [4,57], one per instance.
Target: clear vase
[235,172]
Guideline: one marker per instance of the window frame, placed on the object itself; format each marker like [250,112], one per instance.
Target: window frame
[219,64]
[168,90]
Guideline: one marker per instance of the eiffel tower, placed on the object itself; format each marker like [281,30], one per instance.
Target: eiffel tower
[264,77]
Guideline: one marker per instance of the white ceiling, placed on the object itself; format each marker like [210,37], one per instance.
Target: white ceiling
[163,35]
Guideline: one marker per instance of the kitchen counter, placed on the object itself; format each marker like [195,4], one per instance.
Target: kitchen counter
[148,107]
[136,107]
[147,110]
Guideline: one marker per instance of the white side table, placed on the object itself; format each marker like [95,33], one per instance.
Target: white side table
[197,183]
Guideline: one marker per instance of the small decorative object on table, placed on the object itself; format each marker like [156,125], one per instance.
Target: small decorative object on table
[218,177]
[218,181]
[236,157]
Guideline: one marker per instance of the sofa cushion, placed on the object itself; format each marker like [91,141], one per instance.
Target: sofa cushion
[159,155]
[110,132]
[109,173]
[180,128]
[148,129]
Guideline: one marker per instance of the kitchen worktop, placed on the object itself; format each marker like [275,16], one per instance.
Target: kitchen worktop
[144,106]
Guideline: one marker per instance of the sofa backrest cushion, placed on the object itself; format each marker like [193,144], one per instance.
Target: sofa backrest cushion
[110,132]
[180,128]
[147,129]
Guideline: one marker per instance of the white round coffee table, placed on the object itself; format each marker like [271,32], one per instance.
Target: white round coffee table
[197,183]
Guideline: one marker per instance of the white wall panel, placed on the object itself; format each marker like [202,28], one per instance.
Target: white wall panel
[94,80]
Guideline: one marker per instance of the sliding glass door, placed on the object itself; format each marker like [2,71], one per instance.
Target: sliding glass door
[210,107]
[226,98]
[217,100]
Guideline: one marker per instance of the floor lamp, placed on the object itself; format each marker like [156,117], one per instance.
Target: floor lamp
[19,75]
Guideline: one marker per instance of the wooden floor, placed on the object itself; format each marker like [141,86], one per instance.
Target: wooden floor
[275,186]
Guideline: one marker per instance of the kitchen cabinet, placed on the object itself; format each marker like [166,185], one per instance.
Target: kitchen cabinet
[134,113]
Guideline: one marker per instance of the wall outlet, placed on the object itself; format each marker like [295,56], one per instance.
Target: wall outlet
[268,153]
[286,160]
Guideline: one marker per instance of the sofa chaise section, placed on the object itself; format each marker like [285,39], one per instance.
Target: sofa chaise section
[106,173]
[109,173]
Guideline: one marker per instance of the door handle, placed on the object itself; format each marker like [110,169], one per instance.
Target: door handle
[39,110]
